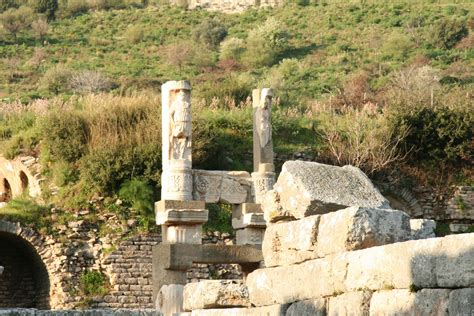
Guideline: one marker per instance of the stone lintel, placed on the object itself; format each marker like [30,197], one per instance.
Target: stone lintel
[165,205]
[182,217]
[182,234]
[249,220]
[182,256]
[250,236]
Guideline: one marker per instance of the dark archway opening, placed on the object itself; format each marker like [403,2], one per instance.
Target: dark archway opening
[24,180]
[5,191]
[24,281]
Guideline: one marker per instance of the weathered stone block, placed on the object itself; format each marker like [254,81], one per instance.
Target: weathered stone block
[308,188]
[316,307]
[422,228]
[273,310]
[272,209]
[164,205]
[352,303]
[404,302]
[238,210]
[356,228]
[182,234]
[429,263]
[182,217]
[461,302]
[170,299]
[249,220]
[215,294]
[249,236]
[291,242]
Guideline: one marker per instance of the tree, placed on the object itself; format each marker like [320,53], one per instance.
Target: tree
[48,7]
[179,54]
[266,43]
[40,28]
[447,32]
[16,20]
[210,33]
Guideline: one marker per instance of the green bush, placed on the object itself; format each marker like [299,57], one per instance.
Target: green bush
[436,134]
[7,4]
[210,33]
[447,32]
[141,197]
[92,283]
[56,79]
[76,7]
[397,45]
[220,218]
[232,48]
[65,135]
[265,43]
[134,34]
[17,20]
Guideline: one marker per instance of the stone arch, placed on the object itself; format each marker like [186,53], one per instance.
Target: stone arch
[22,175]
[25,280]
[24,180]
[404,200]
[5,190]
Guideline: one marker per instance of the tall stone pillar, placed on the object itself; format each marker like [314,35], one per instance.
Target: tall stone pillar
[176,179]
[264,170]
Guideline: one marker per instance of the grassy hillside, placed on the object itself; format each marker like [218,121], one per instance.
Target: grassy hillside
[383,86]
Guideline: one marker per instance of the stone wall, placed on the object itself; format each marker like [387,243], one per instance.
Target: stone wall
[227,6]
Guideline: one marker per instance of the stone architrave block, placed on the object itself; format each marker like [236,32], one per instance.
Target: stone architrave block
[215,294]
[250,236]
[291,242]
[308,188]
[351,303]
[404,302]
[428,263]
[357,227]
[165,205]
[422,228]
[182,234]
[182,217]
[249,220]
[461,302]
[316,307]
[170,299]
[232,187]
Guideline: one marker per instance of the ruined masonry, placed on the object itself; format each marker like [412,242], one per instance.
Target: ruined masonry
[320,240]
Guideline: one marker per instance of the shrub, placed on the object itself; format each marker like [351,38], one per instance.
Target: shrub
[134,34]
[210,33]
[89,81]
[92,283]
[141,197]
[266,43]
[447,32]
[178,54]
[48,7]
[16,20]
[232,48]
[56,79]
[7,4]
[40,28]
[65,135]
[397,45]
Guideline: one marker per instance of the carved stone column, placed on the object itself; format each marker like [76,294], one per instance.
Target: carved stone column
[176,180]
[264,170]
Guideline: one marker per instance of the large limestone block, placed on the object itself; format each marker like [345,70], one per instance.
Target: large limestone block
[422,228]
[316,307]
[298,282]
[461,302]
[455,264]
[249,236]
[215,294]
[307,188]
[356,228]
[291,242]
[426,302]
[170,299]
[249,220]
[273,310]
[428,263]
[352,303]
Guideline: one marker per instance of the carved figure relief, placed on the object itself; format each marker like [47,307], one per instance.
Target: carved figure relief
[264,128]
[180,125]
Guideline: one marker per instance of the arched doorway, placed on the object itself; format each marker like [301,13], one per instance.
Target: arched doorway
[24,181]
[5,190]
[24,281]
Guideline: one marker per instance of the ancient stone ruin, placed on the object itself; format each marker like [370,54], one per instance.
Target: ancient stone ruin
[319,240]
